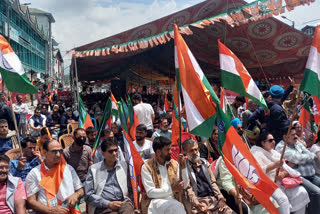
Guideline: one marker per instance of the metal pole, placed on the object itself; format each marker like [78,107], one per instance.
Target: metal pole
[77,92]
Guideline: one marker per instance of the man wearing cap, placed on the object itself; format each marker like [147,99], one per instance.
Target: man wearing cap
[237,125]
[278,119]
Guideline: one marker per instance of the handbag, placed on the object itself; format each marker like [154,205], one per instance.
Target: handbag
[291,182]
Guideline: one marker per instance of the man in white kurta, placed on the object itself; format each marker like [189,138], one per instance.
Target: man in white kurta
[163,200]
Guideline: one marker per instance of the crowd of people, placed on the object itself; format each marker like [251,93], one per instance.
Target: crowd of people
[50,178]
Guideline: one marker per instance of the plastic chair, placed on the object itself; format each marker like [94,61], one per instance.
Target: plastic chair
[66,140]
[72,127]
[13,153]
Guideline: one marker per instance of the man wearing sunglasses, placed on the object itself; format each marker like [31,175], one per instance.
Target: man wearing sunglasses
[106,189]
[53,186]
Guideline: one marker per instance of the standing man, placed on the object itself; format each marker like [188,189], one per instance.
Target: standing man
[143,146]
[106,187]
[161,181]
[144,112]
[31,158]
[239,101]
[247,113]
[5,111]
[163,130]
[12,192]
[53,183]
[21,110]
[78,155]
[278,119]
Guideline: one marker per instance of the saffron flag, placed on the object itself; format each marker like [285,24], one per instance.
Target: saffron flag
[242,165]
[235,77]
[225,106]
[311,78]
[166,103]
[200,108]
[306,121]
[105,124]
[84,118]
[135,160]
[134,122]
[12,71]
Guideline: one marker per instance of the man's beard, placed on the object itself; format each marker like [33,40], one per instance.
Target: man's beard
[167,157]
[164,129]
[194,159]
[139,138]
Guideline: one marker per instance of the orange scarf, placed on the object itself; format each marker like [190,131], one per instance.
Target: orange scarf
[52,179]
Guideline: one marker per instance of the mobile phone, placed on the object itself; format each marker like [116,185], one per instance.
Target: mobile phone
[65,203]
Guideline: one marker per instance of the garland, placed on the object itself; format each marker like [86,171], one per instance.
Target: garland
[260,9]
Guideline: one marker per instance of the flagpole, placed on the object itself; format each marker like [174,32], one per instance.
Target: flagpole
[295,112]
[15,122]
[235,182]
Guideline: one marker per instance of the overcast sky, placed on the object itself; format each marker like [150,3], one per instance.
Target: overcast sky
[79,22]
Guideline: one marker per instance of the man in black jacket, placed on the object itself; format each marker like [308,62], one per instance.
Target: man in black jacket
[278,119]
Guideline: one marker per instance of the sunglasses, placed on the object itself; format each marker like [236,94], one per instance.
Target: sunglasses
[270,140]
[56,151]
[111,151]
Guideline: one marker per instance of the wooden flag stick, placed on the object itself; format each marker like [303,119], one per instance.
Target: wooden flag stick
[295,112]
[237,190]
[15,122]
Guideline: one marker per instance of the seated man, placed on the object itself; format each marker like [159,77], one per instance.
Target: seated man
[8,138]
[12,193]
[44,137]
[161,181]
[91,136]
[302,160]
[203,192]
[37,122]
[106,134]
[78,155]
[143,146]
[53,186]
[67,117]
[31,158]
[106,189]
[163,130]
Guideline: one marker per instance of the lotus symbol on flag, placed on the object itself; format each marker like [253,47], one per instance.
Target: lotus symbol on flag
[243,165]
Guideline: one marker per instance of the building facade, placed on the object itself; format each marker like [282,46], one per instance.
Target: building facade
[28,38]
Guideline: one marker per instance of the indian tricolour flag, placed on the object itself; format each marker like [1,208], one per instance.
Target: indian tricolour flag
[225,106]
[196,90]
[114,111]
[235,77]
[311,77]
[12,71]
